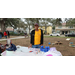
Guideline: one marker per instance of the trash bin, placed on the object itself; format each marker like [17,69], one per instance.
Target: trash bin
[0,36]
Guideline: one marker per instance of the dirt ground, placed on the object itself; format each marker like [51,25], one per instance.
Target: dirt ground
[64,48]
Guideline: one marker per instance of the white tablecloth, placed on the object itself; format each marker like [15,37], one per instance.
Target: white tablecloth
[24,51]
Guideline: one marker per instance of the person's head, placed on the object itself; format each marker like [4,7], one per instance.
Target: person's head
[36,26]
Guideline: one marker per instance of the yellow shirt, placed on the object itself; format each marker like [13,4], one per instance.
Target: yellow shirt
[37,37]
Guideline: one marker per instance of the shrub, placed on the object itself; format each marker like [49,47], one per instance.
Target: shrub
[16,34]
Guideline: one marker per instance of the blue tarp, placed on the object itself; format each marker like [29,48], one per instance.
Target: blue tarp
[12,48]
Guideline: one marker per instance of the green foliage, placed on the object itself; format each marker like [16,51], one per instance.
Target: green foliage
[70,22]
[31,22]
[15,34]
[53,27]
[13,22]
[56,21]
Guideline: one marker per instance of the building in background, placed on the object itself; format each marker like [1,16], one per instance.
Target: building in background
[48,29]
[63,29]
[10,29]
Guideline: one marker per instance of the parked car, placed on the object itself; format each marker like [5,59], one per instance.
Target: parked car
[55,34]
[70,35]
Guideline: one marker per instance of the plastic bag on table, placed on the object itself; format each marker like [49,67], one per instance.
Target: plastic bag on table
[12,48]
[52,49]
[53,52]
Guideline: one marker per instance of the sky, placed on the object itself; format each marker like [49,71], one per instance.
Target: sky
[63,19]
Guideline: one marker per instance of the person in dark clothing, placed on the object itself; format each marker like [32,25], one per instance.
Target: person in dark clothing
[26,34]
[36,37]
[1,34]
[8,34]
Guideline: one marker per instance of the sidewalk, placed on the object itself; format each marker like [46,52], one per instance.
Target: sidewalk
[19,37]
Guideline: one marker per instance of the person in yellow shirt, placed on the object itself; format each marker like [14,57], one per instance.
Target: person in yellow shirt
[36,37]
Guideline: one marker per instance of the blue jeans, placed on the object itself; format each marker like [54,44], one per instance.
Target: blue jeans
[6,37]
[35,46]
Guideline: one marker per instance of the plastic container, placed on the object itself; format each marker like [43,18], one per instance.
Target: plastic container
[41,46]
[49,43]
[41,49]
[45,50]
[48,48]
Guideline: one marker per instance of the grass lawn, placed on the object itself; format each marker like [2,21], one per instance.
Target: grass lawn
[63,48]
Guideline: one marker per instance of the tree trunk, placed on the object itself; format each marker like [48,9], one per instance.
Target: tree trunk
[45,29]
[2,26]
[37,20]
[32,24]
[29,29]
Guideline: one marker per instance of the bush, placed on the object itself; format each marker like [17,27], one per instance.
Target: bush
[16,34]
[21,34]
